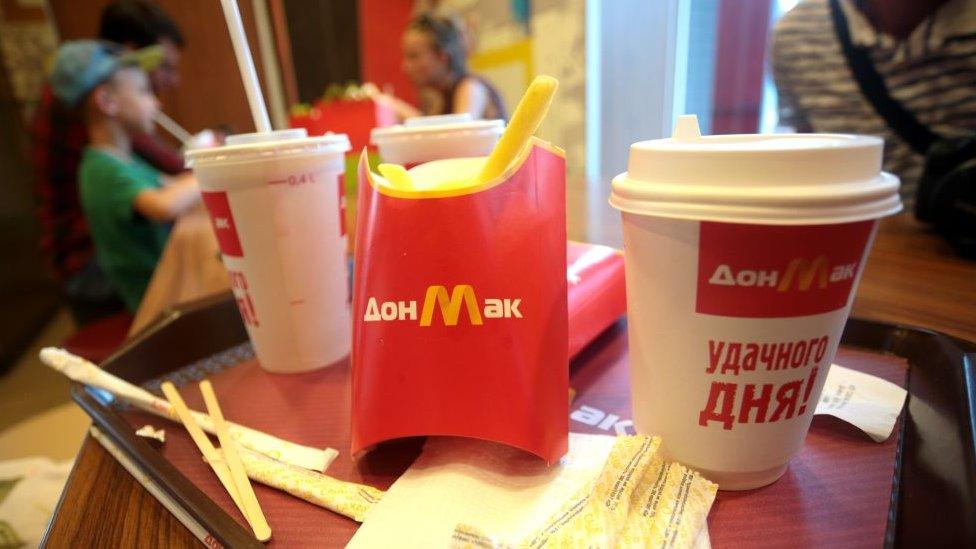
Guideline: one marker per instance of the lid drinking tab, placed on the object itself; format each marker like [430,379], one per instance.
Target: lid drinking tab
[686,128]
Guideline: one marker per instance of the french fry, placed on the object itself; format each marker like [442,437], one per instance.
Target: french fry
[529,113]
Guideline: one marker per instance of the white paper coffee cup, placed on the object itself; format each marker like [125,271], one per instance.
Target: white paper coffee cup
[426,138]
[742,255]
[275,203]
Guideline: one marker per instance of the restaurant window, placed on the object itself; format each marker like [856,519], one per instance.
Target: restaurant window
[648,62]
[732,97]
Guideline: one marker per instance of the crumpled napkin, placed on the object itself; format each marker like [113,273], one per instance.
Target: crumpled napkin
[29,492]
[607,491]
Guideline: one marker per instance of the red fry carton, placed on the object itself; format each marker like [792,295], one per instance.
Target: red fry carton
[353,117]
[597,296]
[459,310]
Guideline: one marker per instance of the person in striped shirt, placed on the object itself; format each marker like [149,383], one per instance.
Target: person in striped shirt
[925,51]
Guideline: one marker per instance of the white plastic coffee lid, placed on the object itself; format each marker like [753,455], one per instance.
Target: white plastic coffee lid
[427,127]
[779,179]
[260,145]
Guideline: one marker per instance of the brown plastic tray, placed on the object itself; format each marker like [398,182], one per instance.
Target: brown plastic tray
[842,489]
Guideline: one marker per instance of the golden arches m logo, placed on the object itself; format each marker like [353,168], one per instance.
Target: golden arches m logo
[805,272]
[450,306]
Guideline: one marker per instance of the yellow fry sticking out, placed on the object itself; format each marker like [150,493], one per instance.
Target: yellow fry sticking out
[529,113]
[397,176]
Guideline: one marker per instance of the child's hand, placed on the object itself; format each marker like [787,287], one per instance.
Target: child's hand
[178,195]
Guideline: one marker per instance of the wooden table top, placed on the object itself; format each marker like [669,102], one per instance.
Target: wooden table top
[911,278]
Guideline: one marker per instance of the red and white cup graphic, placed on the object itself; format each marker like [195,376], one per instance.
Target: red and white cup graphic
[743,254]
[276,206]
[425,138]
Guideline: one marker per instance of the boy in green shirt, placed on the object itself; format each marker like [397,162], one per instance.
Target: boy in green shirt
[127,203]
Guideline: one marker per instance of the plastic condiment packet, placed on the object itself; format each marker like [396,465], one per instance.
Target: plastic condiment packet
[669,507]
[596,516]
[638,500]
[869,403]
[346,498]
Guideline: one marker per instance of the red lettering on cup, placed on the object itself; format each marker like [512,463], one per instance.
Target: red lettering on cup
[762,271]
[245,305]
[222,221]
[342,204]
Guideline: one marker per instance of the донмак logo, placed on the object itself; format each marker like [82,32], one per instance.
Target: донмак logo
[801,271]
[450,305]
[756,271]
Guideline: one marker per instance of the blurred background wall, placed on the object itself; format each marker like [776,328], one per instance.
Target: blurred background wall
[28,296]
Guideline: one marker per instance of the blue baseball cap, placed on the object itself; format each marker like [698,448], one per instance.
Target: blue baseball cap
[79,66]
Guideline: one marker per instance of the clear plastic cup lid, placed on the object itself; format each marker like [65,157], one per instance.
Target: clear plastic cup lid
[446,125]
[259,137]
[278,143]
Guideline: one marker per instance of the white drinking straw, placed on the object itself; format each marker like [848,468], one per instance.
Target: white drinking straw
[244,62]
[172,127]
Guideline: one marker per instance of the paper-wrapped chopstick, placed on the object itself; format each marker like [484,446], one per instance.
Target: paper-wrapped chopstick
[83,371]
[346,498]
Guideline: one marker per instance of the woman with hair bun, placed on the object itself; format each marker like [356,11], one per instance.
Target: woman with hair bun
[435,60]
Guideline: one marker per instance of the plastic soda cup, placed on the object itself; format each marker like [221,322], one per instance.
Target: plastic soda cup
[426,138]
[277,208]
[742,255]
